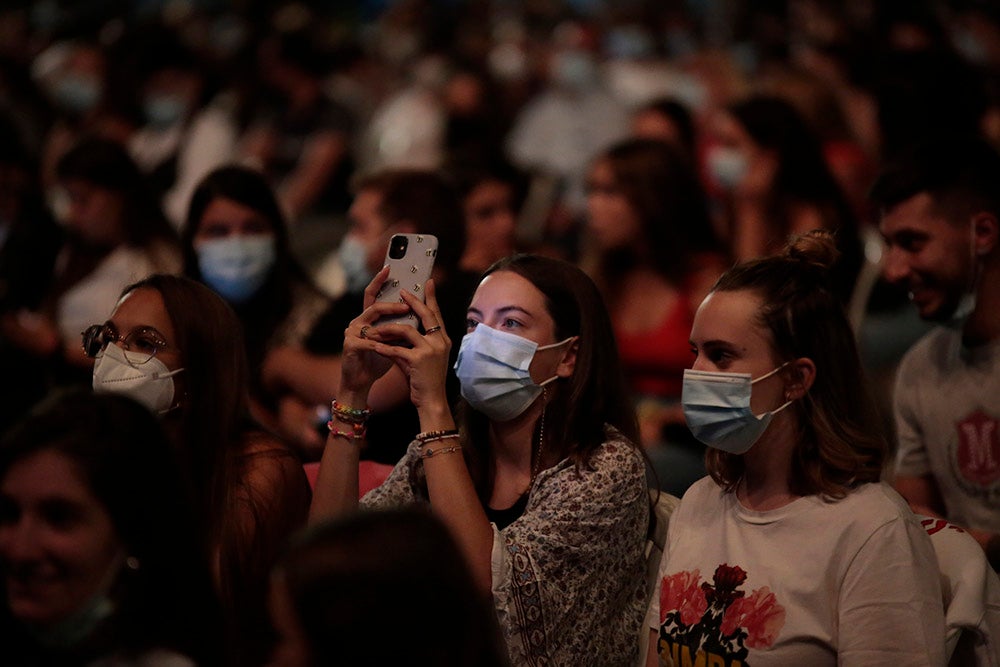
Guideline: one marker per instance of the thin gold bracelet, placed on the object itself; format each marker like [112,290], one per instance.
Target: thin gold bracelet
[427,453]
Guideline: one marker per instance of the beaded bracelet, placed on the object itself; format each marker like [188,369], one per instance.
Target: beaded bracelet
[350,415]
[358,431]
[427,453]
[428,436]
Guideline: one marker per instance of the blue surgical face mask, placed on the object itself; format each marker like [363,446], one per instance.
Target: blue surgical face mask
[353,256]
[236,266]
[164,110]
[77,94]
[727,166]
[81,624]
[717,409]
[493,369]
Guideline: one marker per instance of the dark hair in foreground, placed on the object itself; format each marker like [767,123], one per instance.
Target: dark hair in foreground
[593,396]
[841,439]
[380,587]
[961,174]
[121,451]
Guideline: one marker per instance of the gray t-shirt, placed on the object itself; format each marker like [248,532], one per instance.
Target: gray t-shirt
[947,405]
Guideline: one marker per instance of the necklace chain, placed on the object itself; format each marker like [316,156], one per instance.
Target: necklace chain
[541,442]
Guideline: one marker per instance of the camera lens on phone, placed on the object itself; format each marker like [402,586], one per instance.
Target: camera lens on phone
[397,247]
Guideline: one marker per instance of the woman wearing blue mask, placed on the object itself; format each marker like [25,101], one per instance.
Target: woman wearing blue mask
[537,473]
[793,551]
[235,241]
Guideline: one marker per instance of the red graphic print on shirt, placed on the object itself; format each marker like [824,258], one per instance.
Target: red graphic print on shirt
[979,448]
[716,623]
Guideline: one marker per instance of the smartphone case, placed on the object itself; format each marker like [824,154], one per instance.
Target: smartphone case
[410,272]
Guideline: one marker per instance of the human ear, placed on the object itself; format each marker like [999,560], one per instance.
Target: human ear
[568,363]
[800,375]
[984,233]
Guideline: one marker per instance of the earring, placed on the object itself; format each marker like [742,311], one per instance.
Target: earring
[132,563]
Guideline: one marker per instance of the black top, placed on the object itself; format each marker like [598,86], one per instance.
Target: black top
[503,518]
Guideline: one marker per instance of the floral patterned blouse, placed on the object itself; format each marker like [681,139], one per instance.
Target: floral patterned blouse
[568,574]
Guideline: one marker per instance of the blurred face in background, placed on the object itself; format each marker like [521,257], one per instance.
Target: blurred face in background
[611,218]
[489,216]
[94,213]
[58,547]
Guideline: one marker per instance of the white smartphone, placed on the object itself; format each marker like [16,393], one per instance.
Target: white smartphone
[410,258]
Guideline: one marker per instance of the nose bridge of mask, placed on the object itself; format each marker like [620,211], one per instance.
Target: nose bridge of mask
[139,363]
[497,345]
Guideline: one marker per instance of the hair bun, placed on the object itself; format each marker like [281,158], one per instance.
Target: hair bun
[818,247]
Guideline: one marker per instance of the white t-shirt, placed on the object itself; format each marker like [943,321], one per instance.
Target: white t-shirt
[815,583]
[947,403]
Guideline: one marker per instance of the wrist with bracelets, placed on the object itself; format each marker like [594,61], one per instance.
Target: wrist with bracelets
[357,418]
[428,437]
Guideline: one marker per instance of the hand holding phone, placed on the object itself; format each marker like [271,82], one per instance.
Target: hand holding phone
[410,258]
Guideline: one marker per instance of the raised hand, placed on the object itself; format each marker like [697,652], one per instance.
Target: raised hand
[425,358]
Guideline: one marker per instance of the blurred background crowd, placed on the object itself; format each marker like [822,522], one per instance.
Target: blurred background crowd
[653,142]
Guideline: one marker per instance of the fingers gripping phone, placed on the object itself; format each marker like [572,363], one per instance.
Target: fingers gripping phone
[410,258]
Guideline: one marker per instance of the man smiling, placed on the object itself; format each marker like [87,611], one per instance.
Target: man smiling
[940,207]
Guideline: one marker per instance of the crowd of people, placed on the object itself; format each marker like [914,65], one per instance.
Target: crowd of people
[747,257]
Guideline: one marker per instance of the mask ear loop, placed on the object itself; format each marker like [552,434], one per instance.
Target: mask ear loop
[787,402]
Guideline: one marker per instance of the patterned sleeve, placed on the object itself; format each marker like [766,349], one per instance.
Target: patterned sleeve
[564,573]
[402,487]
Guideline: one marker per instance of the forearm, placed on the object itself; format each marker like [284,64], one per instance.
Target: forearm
[453,496]
[336,489]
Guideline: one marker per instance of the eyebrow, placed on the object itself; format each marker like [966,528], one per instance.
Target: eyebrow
[714,343]
[501,311]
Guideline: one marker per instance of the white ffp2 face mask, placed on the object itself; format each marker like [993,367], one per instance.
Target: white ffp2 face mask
[717,409]
[493,368]
[150,383]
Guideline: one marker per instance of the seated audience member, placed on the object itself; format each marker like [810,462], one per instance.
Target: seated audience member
[388,202]
[29,241]
[940,216]
[99,548]
[667,120]
[342,586]
[488,194]
[235,241]
[542,484]
[776,181]
[794,551]
[175,346]
[115,235]
[654,258]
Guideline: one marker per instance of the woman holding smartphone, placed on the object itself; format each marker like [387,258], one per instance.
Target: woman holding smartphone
[536,473]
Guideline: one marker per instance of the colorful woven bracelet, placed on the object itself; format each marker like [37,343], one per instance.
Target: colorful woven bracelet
[357,432]
[350,415]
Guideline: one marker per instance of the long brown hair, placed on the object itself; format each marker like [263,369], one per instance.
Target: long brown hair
[841,440]
[214,409]
[593,397]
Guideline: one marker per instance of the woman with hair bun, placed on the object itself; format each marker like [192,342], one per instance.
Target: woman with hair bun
[792,551]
